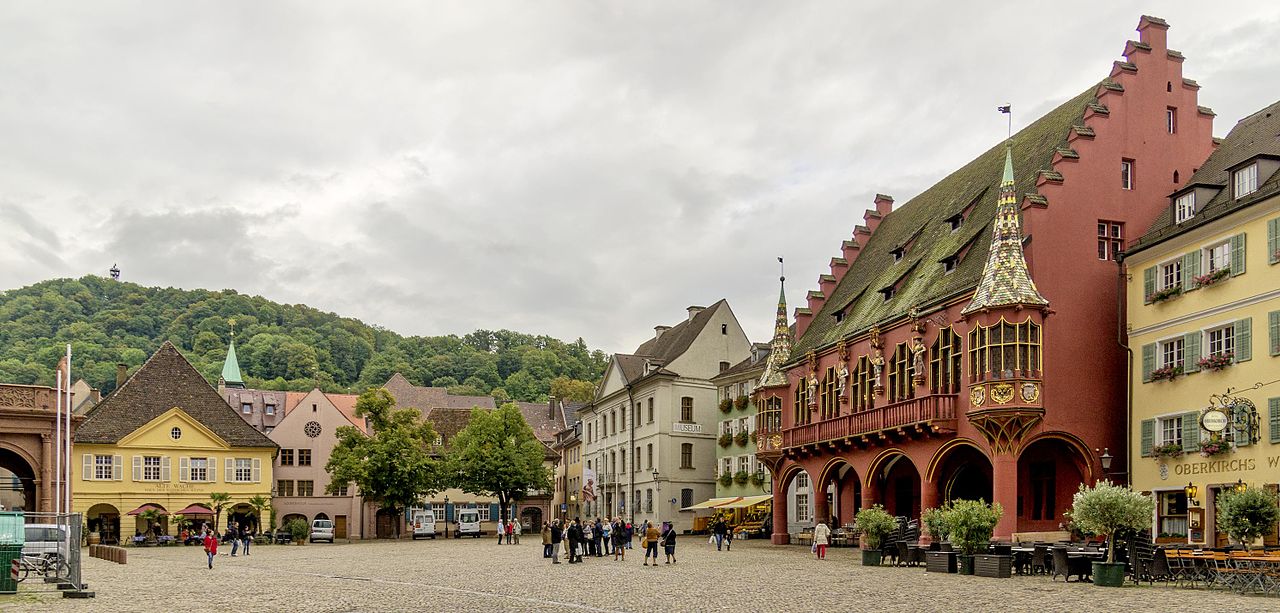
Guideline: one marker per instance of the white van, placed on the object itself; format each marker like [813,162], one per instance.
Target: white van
[322,530]
[468,523]
[424,524]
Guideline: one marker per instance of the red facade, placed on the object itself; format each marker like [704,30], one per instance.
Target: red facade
[1023,421]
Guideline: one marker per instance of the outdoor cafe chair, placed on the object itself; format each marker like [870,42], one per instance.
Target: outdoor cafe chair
[1040,559]
[901,548]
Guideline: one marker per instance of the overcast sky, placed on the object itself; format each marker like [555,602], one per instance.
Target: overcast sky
[569,168]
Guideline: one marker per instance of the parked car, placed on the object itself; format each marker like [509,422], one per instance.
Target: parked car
[322,530]
[468,523]
[424,524]
[46,539]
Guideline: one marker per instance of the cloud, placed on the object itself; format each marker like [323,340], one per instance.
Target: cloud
[567,168]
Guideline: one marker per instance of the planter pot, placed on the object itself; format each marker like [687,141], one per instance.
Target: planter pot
[966,565]
[990,565]
[298,542]
[1108,575]
[871,557]
[940,562]
[946,547]
[95,538]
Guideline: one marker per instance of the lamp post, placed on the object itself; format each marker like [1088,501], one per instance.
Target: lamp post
[1191,490]
[1105,459]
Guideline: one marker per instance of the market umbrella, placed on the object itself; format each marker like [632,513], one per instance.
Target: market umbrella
[147,507]
[196,509]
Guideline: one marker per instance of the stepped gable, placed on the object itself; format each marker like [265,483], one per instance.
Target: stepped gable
[857,295]
[1257,134]
[165,381]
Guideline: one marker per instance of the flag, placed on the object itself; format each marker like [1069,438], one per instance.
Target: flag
[1005,109]
[779,260]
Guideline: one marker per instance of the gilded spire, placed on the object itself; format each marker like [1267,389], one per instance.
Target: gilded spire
[780,347]
[1005,279]
[231,366]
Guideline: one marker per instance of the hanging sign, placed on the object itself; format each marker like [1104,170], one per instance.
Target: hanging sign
[1214,420]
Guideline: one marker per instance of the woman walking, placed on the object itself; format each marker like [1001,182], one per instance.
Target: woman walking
[619,540]
[546,539]
[650,543]
[821,536]
[669,542]
[210,546]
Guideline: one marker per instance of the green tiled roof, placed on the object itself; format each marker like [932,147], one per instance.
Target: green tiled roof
[975,183]
[231,368]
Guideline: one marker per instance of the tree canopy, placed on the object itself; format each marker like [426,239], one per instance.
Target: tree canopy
[498,455]
[280,346]
[396,465]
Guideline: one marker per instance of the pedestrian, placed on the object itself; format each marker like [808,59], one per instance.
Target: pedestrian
[620,540]
[589,538]
[546,539]
[650,543]
[719,529]
[630,534]
[607,533]
[511,530]
[556,536]
[502,530]
[598,533]
[233,535]
[669,542]
[245,536]
[821,536]
[516,531]
[728,538]
[210,546]
[575,539]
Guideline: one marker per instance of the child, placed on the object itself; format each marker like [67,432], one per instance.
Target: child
[210,546]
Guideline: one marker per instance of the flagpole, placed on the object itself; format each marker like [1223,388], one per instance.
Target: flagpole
[57,445]
[66,482]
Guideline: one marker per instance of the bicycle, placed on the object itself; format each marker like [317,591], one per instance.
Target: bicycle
[44,565]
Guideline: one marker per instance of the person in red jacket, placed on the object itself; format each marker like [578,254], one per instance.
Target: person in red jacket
[210,546]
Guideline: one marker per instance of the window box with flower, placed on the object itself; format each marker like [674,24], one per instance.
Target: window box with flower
[742,402]
[742,477]
[1168,373]
[726,405]
[1167,450]
[1217,361]
[726,479]
[741,438]
[1168,293]
[1214,447]
[725,439]
[1213,277]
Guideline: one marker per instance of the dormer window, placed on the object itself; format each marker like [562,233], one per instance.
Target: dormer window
[897,253]
[955,221]
[949,265]
[1245,180]
[888,293]
[839,316]
[1184,207]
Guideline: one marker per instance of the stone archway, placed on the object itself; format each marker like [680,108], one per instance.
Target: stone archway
[1050,470]
[104,519]
[792,502]
[17,482]
[894,481]
[531,519]
[960,470]
[840,493]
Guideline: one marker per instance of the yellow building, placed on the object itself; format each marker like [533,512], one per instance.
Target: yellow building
[166,438]
[1204,324]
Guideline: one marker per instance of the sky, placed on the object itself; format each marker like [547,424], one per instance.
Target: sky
[576,169]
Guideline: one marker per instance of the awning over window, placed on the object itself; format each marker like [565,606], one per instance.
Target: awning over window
[710,504]
[732,502]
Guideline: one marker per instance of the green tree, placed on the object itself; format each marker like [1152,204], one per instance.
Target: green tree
[498,455]
[1247,514]
[1105,508]
[393,466]
[218,500]
[572,389]
[259,503]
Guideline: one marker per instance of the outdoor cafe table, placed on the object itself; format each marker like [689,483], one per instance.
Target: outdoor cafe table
[1262,573]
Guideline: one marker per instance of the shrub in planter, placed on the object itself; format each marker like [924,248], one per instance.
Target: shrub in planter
[1212,277]
[726,479]
[741,402]
[741,438]
[725,439]
[726,405]
[299,530]
[874,524]
[1168,373]
[1213,447]
[1217,361]
[1167,450]
[1247,514]
[757,479]
[971,523]
[1105,509]
[1167,293]
[935,521]
[741,477]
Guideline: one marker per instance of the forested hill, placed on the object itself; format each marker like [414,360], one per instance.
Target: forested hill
[280,346]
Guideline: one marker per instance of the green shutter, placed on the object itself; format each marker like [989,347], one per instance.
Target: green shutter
[1148,361]
[1148,436]
[1244,339]
[1273,241]
[1191,352]
[1240,415]
[1274,405]
[1148,284]
[1190,270]
[1237,255]
[1273,322]
[1191,431]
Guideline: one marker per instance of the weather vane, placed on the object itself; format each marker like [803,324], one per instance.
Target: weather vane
[1007,109]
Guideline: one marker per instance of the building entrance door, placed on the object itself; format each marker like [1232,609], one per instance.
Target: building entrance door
[340,526]
[1220,538]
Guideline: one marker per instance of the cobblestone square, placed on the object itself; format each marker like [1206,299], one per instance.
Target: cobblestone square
[478,575]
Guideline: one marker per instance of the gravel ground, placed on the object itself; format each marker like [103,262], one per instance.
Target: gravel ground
[474,575]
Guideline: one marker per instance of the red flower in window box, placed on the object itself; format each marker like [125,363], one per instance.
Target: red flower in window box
[1167,293]
[1213,447]
[1213,277]
[1168,373]
[1217,361]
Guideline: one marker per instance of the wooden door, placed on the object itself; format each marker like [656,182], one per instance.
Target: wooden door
[1220,538]
[385,525]
[340,526]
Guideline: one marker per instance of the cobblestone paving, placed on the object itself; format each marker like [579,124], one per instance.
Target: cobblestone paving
[478,575]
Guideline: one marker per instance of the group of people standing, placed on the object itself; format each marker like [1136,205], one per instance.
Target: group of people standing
[509,530]
[600,538]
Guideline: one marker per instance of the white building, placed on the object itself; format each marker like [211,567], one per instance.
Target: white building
[649,438]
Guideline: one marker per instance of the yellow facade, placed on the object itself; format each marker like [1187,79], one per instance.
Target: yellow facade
[172,461]
[1244,307]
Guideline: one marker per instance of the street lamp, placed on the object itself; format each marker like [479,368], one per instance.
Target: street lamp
[446,519]
[1240,486]
[1191,490]
[1105,459]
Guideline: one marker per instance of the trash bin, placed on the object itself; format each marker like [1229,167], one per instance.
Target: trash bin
[13,535]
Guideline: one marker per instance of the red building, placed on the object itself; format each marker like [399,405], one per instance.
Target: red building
[965,345]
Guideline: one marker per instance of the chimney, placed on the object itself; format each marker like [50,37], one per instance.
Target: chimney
[658,330]
[121,372]
[694,310]
[551,407]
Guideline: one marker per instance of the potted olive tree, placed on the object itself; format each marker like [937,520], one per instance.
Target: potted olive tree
[874,524]
[1104,509]
[1246,514]
[299,530]
[971,523]
[935,521]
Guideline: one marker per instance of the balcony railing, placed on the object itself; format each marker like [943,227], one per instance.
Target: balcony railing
[926,409]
